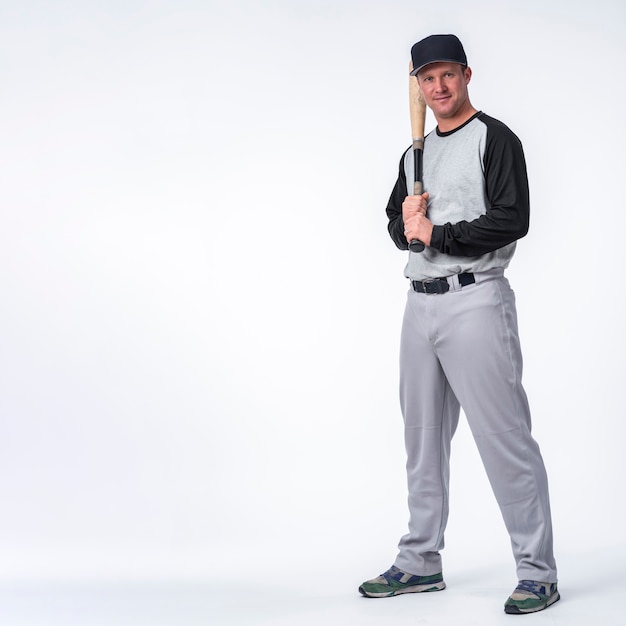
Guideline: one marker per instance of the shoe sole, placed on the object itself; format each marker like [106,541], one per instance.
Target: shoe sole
[415,589]
[513,610]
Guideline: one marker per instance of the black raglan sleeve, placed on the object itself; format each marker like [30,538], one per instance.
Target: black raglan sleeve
[507,195]
[395,225]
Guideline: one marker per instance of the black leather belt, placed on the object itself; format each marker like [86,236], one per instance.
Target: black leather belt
[441,285]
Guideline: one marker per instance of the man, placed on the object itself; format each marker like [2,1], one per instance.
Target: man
[459,342]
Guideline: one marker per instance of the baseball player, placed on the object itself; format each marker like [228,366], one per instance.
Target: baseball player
[459,342]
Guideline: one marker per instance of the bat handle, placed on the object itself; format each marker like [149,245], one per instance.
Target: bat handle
[416,245]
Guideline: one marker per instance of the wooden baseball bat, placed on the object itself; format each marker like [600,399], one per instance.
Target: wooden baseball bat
[417,107]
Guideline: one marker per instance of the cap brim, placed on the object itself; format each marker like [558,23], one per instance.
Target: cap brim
[421,67]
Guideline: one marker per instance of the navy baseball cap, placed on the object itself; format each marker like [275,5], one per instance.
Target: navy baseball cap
[437,48]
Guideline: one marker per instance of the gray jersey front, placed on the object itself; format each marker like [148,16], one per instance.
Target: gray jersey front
[457,179]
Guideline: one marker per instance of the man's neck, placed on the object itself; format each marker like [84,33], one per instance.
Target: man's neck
[447,124]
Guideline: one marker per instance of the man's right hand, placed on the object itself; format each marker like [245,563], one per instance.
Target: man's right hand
[413,205]
[416,225]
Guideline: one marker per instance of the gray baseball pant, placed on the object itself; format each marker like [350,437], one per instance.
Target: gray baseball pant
[461,349]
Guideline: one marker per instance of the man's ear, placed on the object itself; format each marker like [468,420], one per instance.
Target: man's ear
[467,75]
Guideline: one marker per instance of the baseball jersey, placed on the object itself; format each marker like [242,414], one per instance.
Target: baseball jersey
[478,199]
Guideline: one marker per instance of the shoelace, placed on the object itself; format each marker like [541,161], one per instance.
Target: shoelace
[393,574]
[529,585]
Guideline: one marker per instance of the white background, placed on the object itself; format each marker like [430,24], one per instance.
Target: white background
[200,305]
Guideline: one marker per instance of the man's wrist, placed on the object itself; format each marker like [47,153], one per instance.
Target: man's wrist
[436,237]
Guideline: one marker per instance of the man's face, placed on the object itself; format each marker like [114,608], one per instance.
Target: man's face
[444,86]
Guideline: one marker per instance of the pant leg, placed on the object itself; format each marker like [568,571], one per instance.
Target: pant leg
[478,327]
[431,412]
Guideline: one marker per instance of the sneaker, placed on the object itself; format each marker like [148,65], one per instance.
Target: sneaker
[394,581]
[530,596]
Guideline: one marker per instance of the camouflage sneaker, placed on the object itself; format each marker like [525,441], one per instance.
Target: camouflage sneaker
[530,596]
[394,581]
